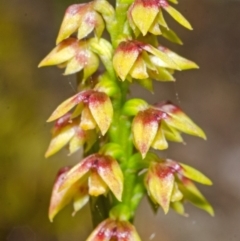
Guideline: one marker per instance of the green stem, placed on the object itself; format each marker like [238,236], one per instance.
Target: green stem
[100,207]
[120,131]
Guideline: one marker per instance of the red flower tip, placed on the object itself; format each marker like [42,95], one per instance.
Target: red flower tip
[116,230]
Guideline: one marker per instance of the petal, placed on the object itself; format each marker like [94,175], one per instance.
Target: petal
[87,120]
[141,9]
[160,142]
[183,123]
[110,172]
[139,69]
[160,184]
[103,232]
[72,20]
[161,19]
[192,194]
[155,29]
[76,173]
[99,25]
[67,105]
[171,35]
[80,199]
[101,109]
[124,58]
[167,61]
[78,110]
[161,74]
[144,128]
[170,133]
[60,139]
[147,84]
[176,194]
[183,63]
[131,22]
[87,24]
[77,141]
[96,185]
[179,120]
[59,199]
[61,53]
[129,231]
[74,65]
[178,208]
[178,17]
[91,65]
[173,1]
[194,175]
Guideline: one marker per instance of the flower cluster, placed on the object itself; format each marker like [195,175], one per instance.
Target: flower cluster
[169,182]
[117,134]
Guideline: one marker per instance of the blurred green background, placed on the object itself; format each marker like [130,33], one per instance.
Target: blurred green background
[211,96]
